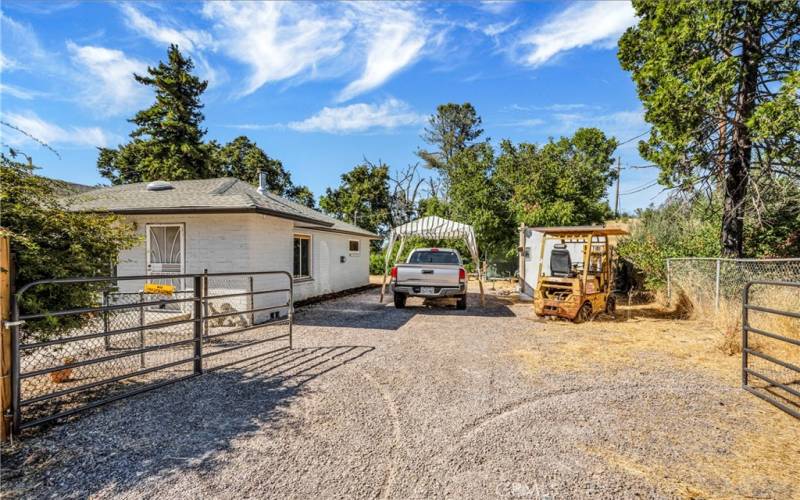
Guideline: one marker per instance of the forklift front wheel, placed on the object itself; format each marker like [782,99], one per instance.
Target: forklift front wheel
[584,313]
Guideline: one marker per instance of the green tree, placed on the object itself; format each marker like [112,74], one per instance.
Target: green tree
[243,159]
[168,140]
[476,198]
[563,182]
[719,82]
[362,198]
[453,128]
[773,228]
[679,228]
[301,195]
[51,242]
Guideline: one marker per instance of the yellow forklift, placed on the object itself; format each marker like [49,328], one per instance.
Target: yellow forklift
[576,290]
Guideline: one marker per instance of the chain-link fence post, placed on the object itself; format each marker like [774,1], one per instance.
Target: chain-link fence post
[198,324]
[251,302]
[669,284]
[205,303]
[106,340]
[141,328]
[716,289]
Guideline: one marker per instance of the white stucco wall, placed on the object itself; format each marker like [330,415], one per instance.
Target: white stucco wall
[328,273]
[249,243]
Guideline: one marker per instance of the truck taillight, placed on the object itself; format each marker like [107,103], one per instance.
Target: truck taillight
[394,272]
[462,275]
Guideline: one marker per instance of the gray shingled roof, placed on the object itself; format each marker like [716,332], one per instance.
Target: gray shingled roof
[224,194]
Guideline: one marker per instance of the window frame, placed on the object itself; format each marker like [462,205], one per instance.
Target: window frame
[354,253]
[310,263]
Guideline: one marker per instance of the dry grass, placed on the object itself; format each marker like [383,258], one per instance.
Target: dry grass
[637,335]
[761,450]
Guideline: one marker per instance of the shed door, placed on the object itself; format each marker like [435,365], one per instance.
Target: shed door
[165,255]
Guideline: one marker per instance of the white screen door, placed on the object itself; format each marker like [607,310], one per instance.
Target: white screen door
[165,254]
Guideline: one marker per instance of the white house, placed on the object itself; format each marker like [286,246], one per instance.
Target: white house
[226,225]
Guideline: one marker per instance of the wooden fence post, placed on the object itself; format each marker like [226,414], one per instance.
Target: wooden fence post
[5,341]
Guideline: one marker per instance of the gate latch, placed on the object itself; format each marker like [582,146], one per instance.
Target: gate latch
[9,324]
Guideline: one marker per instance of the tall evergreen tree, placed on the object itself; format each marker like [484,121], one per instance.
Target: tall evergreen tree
[720,83]
[168,141]
[452,129]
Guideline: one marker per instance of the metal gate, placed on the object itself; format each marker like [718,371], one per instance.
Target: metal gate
[122,340]
[770,360]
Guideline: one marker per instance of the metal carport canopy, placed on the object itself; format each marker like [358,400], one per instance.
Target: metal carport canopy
[433,228]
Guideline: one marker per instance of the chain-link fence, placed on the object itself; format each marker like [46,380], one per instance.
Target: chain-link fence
[711,283]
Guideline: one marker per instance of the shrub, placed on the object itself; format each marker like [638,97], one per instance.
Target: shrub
[49,241]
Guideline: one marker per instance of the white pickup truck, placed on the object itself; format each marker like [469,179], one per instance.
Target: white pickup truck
[430,273]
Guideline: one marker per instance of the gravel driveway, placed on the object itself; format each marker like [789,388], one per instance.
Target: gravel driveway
[379,402]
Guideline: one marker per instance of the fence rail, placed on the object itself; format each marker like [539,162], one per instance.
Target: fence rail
[121,341]
[771,366]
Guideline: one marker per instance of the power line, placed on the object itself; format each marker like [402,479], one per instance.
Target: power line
[640,188]
[633,138]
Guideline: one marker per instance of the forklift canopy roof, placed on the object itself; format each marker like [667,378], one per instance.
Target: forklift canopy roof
[579,230]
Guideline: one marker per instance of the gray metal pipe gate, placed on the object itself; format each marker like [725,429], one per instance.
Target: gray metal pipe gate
[199,318]
[769,385]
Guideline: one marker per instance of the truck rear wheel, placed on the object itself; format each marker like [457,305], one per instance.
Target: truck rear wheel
[399,300]
[461,304]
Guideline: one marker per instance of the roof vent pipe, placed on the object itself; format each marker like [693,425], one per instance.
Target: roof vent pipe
[262,182]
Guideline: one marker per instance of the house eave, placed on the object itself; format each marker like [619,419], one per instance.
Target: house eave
[329,229]
[210,210]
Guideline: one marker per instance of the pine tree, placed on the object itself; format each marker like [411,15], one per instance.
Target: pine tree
[168,141]
[721,87]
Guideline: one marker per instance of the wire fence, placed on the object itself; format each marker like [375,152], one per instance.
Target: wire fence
[711,283]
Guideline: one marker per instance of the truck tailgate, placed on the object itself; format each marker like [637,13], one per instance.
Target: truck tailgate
[427,275]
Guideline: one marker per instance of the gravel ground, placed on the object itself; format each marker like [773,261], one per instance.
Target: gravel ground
[379,402]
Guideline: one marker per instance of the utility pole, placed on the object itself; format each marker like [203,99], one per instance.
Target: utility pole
[619,174]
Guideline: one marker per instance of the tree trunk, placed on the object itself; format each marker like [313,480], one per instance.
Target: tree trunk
[737,175]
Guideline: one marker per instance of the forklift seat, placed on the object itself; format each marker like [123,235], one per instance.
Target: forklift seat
[560,263]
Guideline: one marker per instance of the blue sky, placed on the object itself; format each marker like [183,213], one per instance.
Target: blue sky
[320,86]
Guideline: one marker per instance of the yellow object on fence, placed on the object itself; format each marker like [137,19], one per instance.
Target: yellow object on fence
[159,289]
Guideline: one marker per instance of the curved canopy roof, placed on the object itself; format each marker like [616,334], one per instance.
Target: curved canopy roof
[436,228]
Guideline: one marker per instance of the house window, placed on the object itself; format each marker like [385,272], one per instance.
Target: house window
[355,247]
[302,256]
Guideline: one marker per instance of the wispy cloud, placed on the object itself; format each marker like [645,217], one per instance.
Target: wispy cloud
[621,124]
[276,40]
[107,78]
[495,29]
[280,41]
[51,133]
[496,6]
[19,92]
[390,114]
[524,123]
[189,40]
[596,24]
[186,39]
[20,44]
[551,107]
[396,37]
